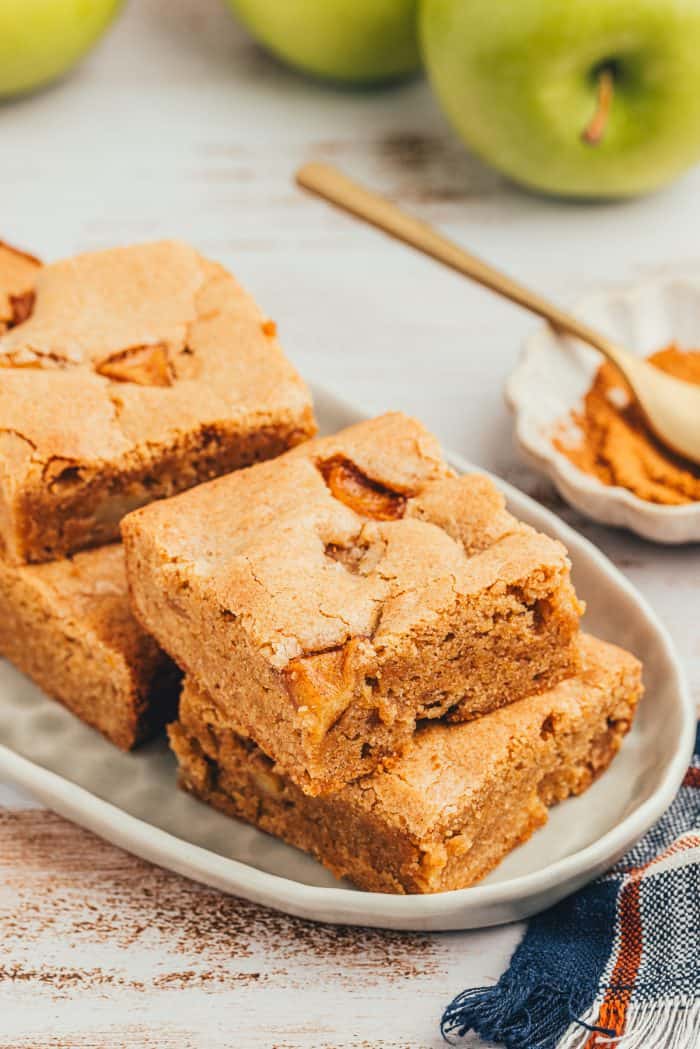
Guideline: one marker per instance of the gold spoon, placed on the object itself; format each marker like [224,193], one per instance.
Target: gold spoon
[671,406]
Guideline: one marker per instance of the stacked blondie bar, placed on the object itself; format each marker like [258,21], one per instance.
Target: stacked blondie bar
[125,376]
[382,666]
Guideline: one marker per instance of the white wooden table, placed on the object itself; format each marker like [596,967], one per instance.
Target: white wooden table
[178,126]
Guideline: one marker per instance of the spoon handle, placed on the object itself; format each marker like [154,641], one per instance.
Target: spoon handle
[332,185]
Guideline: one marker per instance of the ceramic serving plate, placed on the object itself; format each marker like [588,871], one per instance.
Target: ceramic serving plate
[554,374]
[131,799]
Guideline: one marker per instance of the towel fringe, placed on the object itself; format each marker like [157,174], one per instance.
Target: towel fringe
[520,1009]
[667,1024]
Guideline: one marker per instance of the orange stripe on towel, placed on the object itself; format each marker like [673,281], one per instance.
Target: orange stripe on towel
[692,777]
[613,1010]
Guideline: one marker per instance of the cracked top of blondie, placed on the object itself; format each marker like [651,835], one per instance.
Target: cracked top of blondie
[121,348]
[358,539]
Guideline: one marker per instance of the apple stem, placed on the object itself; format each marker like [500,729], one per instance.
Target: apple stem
[595,130]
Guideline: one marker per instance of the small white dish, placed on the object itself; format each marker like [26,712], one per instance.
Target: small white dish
[132,800]
[555,372]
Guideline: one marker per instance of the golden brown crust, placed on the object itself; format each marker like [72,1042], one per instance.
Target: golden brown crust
[457,801]
[325,627]
[139,371]
[67,625]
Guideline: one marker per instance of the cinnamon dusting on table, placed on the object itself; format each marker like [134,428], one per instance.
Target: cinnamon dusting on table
[70,901]
[616,444]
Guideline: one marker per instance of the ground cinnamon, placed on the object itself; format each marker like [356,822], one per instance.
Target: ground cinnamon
[616,445]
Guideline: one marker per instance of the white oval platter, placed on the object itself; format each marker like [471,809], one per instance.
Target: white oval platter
[132,801]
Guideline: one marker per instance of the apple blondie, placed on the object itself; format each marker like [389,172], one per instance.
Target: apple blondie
[454,804]
[68,626]
[129,375]
[329,599]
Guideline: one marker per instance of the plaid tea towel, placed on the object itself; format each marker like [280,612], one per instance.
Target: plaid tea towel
[618,963]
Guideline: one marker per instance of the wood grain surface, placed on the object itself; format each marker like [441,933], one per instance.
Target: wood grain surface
[178,126]
[102,949]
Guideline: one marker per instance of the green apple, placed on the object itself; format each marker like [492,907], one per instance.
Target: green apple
[41,39]
[357,41]
[582,98]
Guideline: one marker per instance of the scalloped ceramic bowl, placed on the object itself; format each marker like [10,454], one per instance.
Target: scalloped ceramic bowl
[554,374]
